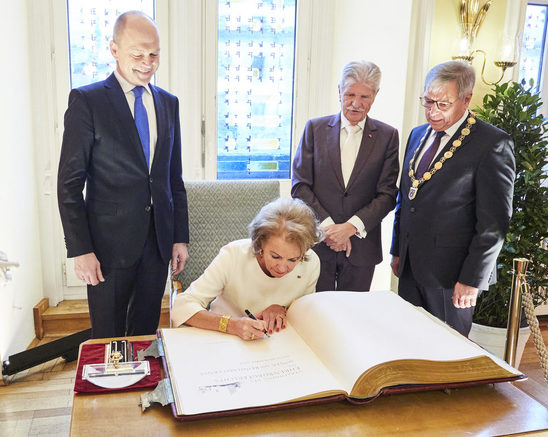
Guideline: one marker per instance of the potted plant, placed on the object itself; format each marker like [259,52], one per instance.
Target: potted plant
[515,109]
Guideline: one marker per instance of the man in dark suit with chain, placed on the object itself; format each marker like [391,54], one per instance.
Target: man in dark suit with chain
[346,169]
[122,142]
[455,201]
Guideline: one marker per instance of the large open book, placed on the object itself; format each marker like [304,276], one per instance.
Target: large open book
[337,345]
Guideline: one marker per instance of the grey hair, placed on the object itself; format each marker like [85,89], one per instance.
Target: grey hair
[121,21]
[458,71]
[291,218]
[365,72]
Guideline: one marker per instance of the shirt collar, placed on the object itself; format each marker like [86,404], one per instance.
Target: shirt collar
[453,129]
[127,87]
[345,122]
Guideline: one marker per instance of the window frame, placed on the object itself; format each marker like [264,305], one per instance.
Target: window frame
[543,86]
[186,56]
[313,23]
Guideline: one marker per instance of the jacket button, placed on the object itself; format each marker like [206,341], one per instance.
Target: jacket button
[345,194]
[412,209]
[150,180]
[147,208]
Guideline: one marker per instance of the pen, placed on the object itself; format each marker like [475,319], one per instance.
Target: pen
[251,316]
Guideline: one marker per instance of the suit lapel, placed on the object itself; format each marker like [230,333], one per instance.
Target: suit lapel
[416,141]
[367,145]
[420,144]
[465,140]
[333,141]
[118,102]
[161,122]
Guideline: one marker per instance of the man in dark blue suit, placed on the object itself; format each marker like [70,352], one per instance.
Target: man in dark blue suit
[122,142]
[454,203]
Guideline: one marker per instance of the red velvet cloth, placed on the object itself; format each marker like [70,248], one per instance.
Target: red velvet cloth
[95,354]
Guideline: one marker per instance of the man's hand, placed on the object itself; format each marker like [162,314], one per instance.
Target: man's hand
[348,248]
[88,269]
[337,236]
[464,296]
[179,256]
[395,264]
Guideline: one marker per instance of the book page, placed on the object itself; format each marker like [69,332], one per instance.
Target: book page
[352,332]
[211,371]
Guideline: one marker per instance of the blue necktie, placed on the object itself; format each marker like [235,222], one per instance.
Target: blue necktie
[141,121]
[428,156]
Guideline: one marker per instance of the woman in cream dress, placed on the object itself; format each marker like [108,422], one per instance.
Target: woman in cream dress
[262,274]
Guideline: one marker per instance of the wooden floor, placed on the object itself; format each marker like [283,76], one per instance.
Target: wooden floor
[38,401]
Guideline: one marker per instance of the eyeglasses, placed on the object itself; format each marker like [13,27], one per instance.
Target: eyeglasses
[428,103]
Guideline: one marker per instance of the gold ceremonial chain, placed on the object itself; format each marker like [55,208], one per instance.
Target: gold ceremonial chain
[416,183]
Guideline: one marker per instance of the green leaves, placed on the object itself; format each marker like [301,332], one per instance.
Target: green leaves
[516,110]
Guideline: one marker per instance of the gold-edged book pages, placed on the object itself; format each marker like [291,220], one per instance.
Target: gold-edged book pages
[346,343]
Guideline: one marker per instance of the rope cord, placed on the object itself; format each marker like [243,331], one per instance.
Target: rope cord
[542,352]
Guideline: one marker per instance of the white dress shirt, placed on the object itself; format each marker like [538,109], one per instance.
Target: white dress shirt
[348,160]
[449,132]
[148,101]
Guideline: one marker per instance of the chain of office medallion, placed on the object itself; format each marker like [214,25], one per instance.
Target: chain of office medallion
[416,183]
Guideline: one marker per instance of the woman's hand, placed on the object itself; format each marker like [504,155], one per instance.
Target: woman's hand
[246,328]
[274,318]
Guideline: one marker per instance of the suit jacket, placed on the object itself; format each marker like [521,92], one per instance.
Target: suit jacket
[371,192]
[101,149]
[454,228]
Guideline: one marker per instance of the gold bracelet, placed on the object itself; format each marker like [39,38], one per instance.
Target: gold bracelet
[223,323]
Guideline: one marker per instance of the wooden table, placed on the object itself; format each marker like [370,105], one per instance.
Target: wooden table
[484,410]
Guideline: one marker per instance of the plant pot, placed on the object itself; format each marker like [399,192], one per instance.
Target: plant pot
[494,340]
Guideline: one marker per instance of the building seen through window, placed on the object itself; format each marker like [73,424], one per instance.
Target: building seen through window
[256,51]
[254,83]
[533,42]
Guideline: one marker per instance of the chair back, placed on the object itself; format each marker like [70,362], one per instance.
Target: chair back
[219,212]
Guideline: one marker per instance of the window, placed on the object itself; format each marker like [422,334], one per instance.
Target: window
[90,32]
[189,70]
[255,69]
[532,50]
[253,82]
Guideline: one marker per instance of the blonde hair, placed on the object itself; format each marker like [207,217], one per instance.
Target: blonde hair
[291,218]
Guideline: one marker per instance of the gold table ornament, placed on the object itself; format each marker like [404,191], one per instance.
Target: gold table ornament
[115,358]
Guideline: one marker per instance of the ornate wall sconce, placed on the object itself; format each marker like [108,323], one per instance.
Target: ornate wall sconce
[471,17]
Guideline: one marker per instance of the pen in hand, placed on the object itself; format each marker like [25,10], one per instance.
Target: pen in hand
[251,316]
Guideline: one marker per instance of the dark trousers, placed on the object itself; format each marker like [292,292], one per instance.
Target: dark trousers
[130,300]
[338,274]
[437,301]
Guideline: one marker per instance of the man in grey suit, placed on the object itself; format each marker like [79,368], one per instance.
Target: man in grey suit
[346,169]
[455,201]
[122,141]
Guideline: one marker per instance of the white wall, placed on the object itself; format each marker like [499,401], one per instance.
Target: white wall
[19,227]
[379,32]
